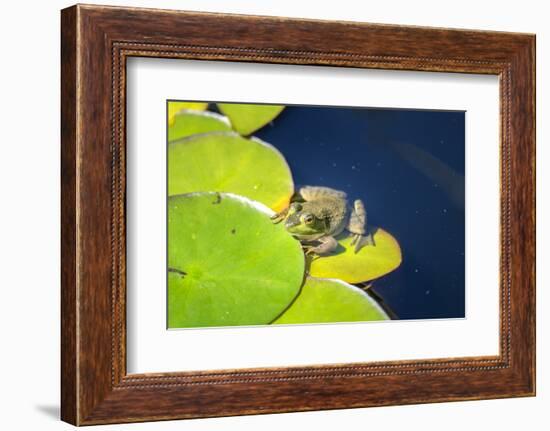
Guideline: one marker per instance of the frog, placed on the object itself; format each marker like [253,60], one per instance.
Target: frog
[316,215]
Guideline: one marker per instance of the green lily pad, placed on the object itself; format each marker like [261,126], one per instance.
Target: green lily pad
[247,118]
[228,263]
[372,261]
[227,162]
[188,122]
[325,301]
[175,107]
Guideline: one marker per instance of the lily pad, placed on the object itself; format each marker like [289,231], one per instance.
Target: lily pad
[228,263]
[175,107]
[325,300]
[227,162]
[247,118]
[188,122]
[370,262]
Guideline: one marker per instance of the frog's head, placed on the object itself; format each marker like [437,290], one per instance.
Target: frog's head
[303,223]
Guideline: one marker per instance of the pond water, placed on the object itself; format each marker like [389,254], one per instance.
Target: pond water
[408,168]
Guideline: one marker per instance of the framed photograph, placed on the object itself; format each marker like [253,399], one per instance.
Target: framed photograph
[277,215]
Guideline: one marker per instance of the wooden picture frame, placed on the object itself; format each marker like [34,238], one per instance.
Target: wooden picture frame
[96,41]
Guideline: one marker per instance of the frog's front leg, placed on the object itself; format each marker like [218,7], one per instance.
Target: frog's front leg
[358,225]
[327,245]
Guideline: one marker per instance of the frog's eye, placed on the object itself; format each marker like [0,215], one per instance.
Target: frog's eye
[308,219]
[294,208]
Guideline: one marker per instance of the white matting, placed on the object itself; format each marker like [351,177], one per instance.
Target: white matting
[152,348]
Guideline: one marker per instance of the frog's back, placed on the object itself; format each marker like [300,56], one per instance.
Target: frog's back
[313,193]
[331,208]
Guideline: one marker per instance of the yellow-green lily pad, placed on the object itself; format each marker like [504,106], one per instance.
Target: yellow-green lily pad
[175,107]
[246,118]
[228,264]
[227,162]
[370,262]
[328,301]
[188,122]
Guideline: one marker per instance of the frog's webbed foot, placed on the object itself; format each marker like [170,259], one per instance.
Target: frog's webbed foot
[359,241]
[355,240]
[358,226]
[327,245]
[280,216]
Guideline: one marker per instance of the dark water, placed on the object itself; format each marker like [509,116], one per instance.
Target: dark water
[408,168]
